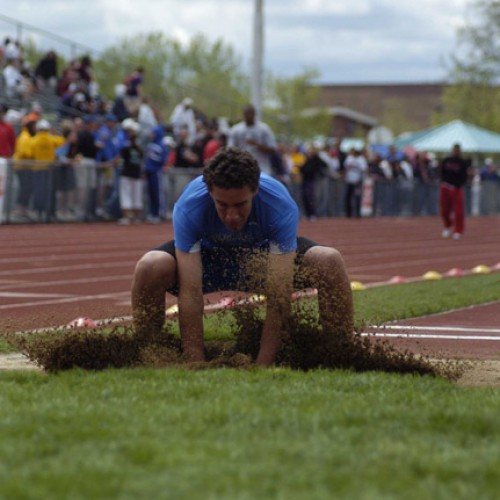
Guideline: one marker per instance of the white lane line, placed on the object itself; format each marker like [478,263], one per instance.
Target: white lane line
[436,328]
[34,295]
[380,334]
[76,267]
[31,284]
[81,298]
[98,322]
[430,336]
[435,262]
[125,319]
[100,254]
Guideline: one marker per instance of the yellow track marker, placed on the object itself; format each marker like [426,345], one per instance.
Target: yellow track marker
[481,269]
[432,275]
[357,286]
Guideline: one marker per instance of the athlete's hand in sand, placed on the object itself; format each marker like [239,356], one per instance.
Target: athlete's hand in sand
[279,288]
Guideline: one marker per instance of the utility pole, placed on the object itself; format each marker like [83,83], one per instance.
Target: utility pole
[257,58]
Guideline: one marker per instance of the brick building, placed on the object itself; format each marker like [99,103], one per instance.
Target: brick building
[413,104]
[345,122]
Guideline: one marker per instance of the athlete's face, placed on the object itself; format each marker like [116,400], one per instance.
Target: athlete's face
[233,205]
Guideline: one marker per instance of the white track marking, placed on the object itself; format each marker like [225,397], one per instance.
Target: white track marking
[436,328]
[429,336]
[115,295]
[76,267]
[126,319]
[34,295]
[55,257]
[98,322]
[434,262]
[30,284]
[379,334]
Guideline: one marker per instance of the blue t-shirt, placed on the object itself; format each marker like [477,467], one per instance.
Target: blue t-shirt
[272,223]
[108,151]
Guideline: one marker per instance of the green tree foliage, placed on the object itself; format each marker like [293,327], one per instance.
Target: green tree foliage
[395,117]
[159,56]
[211,73]
[473,94]
[474,103]
[207,72]
[479,60]
[32,55]
[290,97]
[213,77]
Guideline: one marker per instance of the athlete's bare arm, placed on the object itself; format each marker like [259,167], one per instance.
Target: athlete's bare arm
[190,302]
[278,291]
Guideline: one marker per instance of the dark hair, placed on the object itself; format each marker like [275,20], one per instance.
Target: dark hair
[232,168]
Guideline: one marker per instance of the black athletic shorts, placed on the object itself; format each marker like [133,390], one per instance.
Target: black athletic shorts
[227,271]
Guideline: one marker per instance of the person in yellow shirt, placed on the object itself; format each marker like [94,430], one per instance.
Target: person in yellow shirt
[23,156]
[297,159]
[44,145]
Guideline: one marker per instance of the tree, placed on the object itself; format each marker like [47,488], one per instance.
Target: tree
[473,94]
[211,74]
[154,52]
[289,98]
[479,63]
[32,55]
[474,103]
[395,117]
[207,72]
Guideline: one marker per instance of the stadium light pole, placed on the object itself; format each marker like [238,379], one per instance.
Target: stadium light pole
[258,55]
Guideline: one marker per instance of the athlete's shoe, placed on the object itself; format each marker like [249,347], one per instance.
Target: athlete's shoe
[446,232]
[456,236]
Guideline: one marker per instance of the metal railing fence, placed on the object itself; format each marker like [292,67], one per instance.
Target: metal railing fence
[85,190]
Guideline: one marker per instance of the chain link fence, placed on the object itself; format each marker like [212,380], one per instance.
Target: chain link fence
[84,191]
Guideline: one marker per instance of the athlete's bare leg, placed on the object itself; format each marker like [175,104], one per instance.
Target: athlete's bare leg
[155,273]
[324,269]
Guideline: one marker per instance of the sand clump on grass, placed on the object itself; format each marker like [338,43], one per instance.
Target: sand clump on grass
[306,346]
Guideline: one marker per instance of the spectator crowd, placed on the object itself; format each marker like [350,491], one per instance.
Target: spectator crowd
[121,160]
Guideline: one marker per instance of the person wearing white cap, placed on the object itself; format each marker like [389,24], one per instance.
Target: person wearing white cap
[22,168]
[13,79]
[43,149]
[130,175]
[183,117]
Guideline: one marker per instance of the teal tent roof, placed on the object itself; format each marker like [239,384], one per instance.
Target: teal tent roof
[471,138]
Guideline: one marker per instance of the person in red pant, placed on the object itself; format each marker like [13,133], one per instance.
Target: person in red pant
[7,135]
[454,173]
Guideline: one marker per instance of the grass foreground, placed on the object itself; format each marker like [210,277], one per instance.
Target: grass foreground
[254,433]
[245,434]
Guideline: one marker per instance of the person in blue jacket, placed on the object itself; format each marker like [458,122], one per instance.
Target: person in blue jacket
[156,157]
[106,156]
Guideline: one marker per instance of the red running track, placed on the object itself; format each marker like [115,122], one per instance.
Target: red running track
[51,274]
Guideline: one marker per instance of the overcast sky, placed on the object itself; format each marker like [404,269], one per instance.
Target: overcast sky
[347,41]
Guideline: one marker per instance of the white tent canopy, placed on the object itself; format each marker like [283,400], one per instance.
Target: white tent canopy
[472,139]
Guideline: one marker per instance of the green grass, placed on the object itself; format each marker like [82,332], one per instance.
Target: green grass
[232,434]
[388,303]
[377,305]
[245,434]
[5,347]
[408,300]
